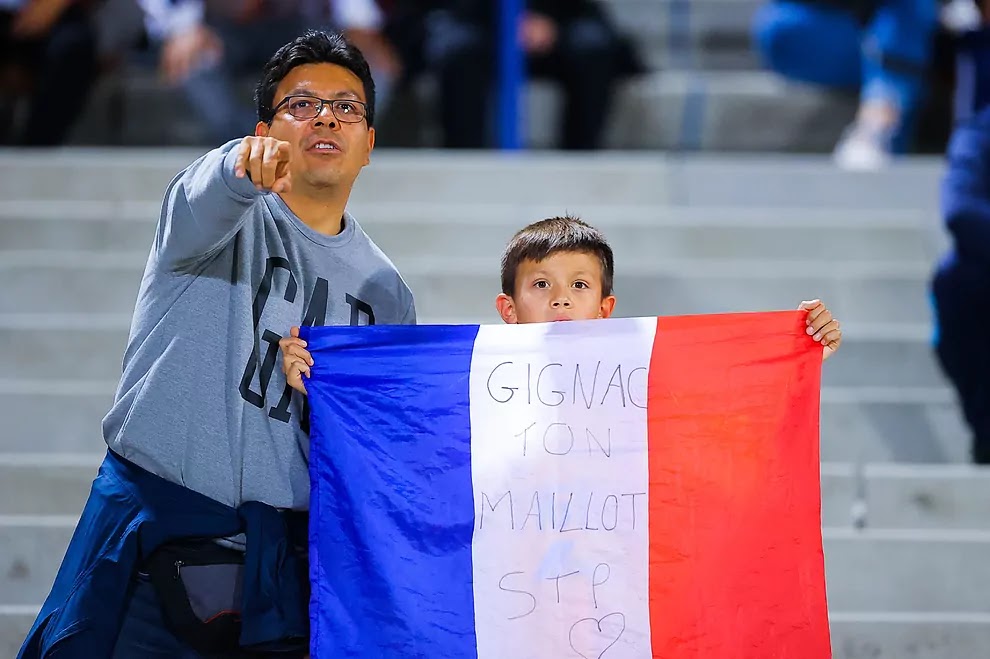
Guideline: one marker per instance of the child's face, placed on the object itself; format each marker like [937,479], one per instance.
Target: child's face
[563,286]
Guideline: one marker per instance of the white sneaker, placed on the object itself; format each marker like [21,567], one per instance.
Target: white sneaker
[960,16]
[863,149]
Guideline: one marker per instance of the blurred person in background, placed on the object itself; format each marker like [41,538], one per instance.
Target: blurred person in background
[879,47]
[207,44]
[48,55]
[570,41]
[961,286]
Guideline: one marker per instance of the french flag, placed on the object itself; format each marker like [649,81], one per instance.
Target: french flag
[644,487]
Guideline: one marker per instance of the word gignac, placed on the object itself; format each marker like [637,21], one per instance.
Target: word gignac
[556,384]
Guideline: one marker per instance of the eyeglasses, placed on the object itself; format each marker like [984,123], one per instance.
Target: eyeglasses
[310,107]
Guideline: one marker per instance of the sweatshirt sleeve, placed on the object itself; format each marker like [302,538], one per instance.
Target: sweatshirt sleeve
[409,317]
[204,208]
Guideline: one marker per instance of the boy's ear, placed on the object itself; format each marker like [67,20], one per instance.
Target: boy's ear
[261,129]
[506,308]
[607,307]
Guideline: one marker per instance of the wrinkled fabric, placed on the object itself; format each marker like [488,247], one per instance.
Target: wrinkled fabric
[561,489]
[130,513]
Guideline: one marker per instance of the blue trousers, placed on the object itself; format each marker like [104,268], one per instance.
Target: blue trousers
[885,58]
[961,286]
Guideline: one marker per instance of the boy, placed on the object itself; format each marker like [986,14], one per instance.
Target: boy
[553,270]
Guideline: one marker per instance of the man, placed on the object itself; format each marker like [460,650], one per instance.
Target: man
[206,438]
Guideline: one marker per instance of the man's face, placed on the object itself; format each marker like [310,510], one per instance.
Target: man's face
[563,286]
[325,151]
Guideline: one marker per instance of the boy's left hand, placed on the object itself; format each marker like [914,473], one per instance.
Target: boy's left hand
[822,327]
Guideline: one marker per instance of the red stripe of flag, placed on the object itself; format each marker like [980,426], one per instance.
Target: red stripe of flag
[736,563]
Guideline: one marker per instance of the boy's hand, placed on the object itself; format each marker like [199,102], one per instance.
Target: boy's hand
[296,360]
[266,161]
[822,327]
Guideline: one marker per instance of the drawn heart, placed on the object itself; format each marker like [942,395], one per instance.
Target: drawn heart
[595,632]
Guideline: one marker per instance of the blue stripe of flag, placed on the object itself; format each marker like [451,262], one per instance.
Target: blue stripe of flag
[391,502]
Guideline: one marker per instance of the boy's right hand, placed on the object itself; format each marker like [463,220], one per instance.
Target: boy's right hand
[266,161]
[296,360]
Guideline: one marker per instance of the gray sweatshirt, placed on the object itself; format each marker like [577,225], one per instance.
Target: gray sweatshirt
[202,401]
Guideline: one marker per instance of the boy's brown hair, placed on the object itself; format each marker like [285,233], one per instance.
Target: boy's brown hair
[542,239]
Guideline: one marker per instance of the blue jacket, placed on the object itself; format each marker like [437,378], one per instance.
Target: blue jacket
[966,189]
[130,512]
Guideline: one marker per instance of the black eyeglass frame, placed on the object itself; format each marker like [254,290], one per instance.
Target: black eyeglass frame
[323,102]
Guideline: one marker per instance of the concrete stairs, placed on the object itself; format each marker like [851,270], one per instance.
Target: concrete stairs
[904,517]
